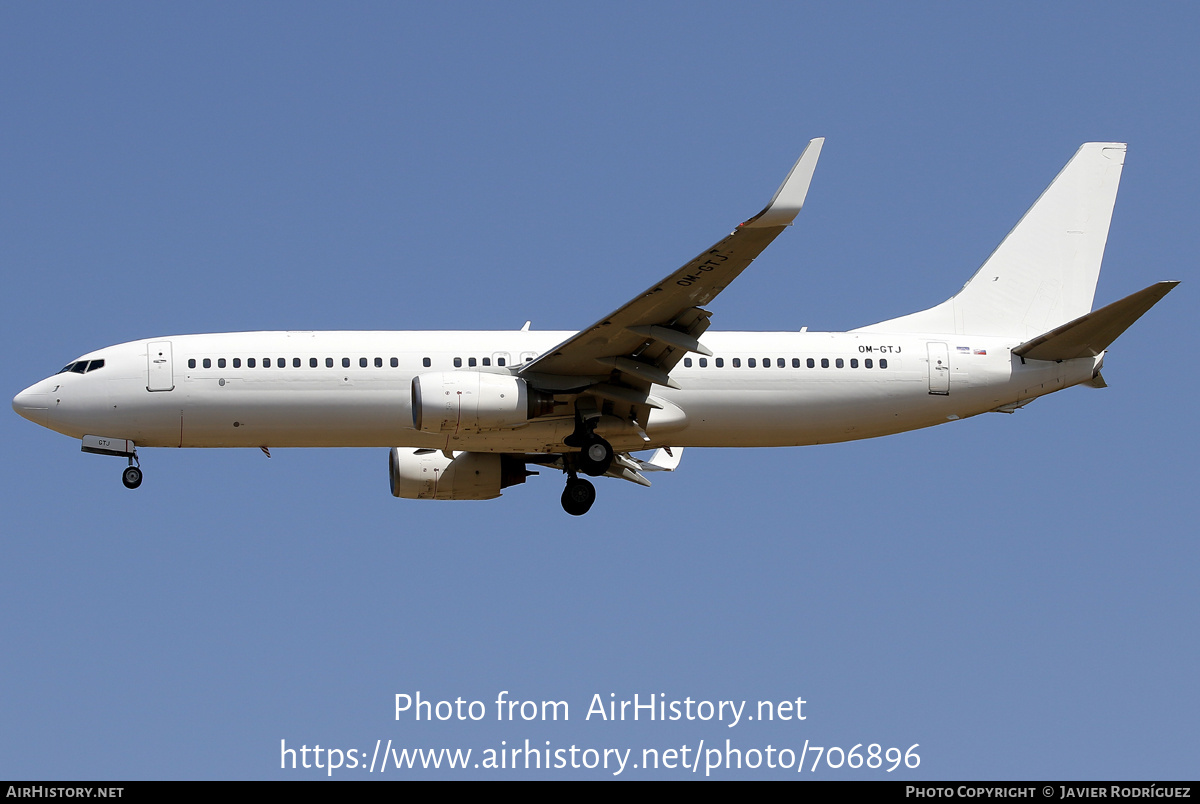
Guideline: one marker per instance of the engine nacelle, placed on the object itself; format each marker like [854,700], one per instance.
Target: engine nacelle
[468,401]
[425,474]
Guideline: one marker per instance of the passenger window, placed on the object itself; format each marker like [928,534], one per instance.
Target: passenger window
[499,361]
[458,362]
[840,363]
[795,362]
[345,362]
[780,363]
[687,362]
[191,363]
[868,363]
[220,362]
[704,362]
[312,362]
[766,362]
[379,362]
[810,363]
[824,362]
[737,362]
[237,362]
[471,361]
[329,362]
[250,362]
[362,362]
[207,364]
[425,362]
[750,363]
[281,362]
[395,362]
[720,361]
[854,362]
[295,362]
[487,361]
[882,362]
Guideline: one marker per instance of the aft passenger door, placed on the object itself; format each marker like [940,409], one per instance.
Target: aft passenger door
[939,368]
[160,376]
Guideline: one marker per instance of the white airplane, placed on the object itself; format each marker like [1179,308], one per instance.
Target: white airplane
[465,413]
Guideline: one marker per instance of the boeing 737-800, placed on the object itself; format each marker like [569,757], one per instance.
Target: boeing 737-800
[466,413]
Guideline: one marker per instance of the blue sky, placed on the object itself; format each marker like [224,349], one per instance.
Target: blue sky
[1015,594]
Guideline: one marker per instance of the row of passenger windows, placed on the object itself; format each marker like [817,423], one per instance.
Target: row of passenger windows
[471,362]
[282,362]
[487,361]
[81,366]
[782,363]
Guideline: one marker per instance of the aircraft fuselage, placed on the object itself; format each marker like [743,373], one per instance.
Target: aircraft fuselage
[341,389]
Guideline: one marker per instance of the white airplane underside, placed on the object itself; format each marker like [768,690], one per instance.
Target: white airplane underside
[466,413]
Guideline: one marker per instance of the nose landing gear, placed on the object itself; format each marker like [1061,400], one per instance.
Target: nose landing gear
[131,477]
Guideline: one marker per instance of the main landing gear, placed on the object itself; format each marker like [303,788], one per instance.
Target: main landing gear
[578,496]
[594,458]
[595,454]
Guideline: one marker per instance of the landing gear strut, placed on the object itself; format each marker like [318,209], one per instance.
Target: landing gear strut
[578,496]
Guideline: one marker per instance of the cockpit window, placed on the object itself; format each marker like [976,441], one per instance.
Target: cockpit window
[81,366]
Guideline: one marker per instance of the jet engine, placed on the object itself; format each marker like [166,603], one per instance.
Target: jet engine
[427,474]
[463,401]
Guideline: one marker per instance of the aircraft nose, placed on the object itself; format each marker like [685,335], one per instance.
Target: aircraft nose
[33,404]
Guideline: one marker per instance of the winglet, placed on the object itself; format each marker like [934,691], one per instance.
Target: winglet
[789,198]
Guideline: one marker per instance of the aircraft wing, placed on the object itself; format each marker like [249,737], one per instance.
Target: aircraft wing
[637,345]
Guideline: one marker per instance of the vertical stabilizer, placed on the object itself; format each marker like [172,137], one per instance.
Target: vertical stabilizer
[1044,273]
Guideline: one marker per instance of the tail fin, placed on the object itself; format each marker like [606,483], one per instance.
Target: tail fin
[1044,273]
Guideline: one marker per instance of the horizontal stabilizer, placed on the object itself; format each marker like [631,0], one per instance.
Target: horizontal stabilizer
[1091,334]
